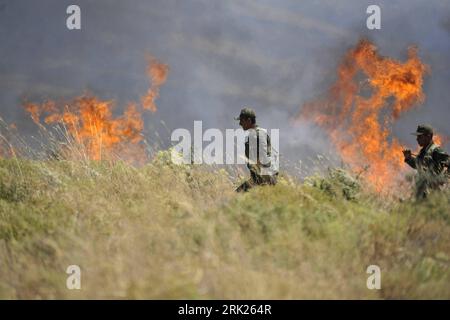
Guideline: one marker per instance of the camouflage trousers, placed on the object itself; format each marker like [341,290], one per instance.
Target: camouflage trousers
[257,180]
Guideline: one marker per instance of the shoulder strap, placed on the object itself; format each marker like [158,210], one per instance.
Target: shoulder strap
[433,147]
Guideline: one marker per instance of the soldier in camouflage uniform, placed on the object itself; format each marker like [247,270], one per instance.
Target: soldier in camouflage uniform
[258,152]
[431,163]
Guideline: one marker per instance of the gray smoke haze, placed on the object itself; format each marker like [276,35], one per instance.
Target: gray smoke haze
[271,55]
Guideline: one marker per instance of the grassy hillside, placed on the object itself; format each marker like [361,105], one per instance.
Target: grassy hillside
[166,231]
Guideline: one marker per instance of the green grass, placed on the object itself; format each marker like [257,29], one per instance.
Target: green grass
[167,231]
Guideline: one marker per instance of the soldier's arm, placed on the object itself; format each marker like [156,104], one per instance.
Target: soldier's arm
[411,161]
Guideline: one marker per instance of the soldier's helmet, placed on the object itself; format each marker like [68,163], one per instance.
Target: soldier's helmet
[423,129]
[246,113]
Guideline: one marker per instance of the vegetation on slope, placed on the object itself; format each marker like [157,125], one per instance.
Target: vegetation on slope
[168,231]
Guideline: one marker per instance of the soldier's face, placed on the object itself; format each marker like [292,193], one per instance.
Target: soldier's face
[245,123]
[423,140]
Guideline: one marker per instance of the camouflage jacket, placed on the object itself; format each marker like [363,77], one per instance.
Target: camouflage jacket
[431,160]
[258,152]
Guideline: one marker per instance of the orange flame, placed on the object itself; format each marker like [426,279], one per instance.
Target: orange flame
[358,115]
[440,139]
[157,73]
[90,124]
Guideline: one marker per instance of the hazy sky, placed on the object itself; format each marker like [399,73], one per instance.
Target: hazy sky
[271,55]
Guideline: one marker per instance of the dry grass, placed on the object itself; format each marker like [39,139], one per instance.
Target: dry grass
[167,231]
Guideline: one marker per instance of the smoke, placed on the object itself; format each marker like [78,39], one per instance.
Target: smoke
[271,55]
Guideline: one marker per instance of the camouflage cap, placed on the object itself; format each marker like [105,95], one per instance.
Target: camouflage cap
[246,113]
[423,129]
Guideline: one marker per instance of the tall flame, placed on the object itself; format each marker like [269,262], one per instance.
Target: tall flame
[157,72]
[90,124]
[369,95]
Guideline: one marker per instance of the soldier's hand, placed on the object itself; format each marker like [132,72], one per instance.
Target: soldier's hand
[407,153]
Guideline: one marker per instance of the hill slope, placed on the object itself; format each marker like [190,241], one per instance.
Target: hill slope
[165,231]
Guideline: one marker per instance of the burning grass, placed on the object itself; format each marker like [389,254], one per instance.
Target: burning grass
[89,129]
[360,108]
